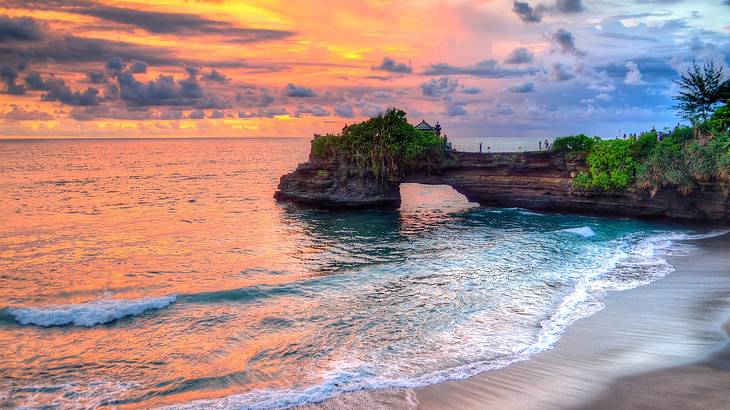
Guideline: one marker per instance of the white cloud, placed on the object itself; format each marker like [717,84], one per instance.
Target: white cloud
[633,76]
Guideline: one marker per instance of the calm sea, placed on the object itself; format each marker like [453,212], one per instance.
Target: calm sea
[143,273]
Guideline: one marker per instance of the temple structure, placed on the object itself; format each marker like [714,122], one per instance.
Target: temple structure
[424,126]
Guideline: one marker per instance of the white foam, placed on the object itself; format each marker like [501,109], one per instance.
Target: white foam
[71,395]
[523,211]
[585,300]
[696,237]
[584,231]
[87,314]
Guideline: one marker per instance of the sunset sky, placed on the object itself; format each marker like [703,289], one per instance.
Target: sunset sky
[82,68]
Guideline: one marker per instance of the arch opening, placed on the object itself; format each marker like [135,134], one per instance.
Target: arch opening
[432,198]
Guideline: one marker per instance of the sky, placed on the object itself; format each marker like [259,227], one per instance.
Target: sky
[482,68]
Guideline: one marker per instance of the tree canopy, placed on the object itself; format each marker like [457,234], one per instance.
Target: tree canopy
[386,146]
[701,89]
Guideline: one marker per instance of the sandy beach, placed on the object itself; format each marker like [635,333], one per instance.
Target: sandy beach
[658,346]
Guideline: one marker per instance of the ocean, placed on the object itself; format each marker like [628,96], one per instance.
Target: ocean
[154,273]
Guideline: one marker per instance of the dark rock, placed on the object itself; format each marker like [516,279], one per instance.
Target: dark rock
[540,181]
[336,184]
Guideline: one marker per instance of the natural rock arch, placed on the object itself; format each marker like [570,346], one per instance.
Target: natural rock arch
[540,181]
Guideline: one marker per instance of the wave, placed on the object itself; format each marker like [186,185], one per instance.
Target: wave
[676,236]
[521,211]
[648,256]
[107,310]
[87,314]
[584,231]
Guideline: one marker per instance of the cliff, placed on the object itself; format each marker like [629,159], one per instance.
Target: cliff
[540,181]
[334,183]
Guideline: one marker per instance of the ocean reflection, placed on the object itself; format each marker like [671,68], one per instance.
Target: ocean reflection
[331,242]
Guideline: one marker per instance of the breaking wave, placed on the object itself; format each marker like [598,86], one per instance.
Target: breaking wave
[584,231]
[87,314]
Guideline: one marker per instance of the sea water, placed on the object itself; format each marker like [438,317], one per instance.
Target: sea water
[148,273]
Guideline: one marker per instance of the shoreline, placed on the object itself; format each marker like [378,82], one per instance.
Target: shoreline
[645,342]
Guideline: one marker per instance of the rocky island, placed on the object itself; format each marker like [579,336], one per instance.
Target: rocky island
[569,178]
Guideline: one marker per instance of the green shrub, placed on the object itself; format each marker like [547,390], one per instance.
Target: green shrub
[611,165]
[574,143]
[723,168]
[386,146]
[646,143]
[720,120]
[664,166]
[583,181]
[324,145]
[679,162]
[719,148]
[678,136]
[701,161]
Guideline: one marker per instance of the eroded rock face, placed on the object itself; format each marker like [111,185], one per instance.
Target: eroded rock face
[540,181]
[543,181]
[336,184]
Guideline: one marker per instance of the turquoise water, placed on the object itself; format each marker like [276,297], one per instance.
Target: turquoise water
[162,273]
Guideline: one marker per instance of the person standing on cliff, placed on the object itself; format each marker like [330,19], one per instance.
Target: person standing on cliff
[480,147]
[539,144]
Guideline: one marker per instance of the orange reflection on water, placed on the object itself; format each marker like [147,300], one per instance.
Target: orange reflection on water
[94,221]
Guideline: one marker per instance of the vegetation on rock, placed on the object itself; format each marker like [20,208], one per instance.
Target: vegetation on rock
[386,146]
[682,162]
[680,158]
[612,164]
[676,159]
[574,143]
[720,119]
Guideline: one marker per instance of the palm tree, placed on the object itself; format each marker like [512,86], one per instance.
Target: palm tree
[701,90]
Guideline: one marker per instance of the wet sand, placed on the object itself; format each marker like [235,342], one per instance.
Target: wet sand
[659,346]
[703,385]
[669,325]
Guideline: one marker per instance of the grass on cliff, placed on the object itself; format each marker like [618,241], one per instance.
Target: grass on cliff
[679,159]
[386,146]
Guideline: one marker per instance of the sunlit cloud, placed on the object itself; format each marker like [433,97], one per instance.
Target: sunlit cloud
[258,68]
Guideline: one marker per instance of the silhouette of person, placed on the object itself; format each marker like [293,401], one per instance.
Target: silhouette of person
[480,147]
[539,143]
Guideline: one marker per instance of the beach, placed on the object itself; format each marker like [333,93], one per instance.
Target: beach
[658,346]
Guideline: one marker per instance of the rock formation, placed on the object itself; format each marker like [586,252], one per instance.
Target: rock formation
[540,181]
[334,183]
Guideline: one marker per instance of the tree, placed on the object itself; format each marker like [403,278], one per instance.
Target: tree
[700,90]
[725,93]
